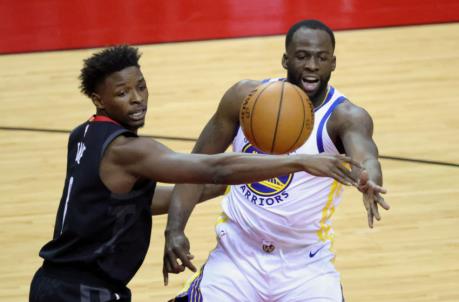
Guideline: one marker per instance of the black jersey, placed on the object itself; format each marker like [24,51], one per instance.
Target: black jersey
[96,230]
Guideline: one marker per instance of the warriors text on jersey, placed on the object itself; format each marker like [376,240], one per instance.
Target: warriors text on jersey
[295,209]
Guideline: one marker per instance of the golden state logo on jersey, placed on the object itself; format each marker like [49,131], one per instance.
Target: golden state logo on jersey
[267,192]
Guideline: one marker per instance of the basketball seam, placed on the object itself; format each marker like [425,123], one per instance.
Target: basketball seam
[253,113]
[278,117]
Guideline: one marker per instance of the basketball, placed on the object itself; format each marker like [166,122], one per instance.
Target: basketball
[277,117]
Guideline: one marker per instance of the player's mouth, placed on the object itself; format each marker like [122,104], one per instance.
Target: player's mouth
[138,115]
[310,84]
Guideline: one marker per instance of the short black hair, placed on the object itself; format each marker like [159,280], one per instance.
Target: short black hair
[105,62]
[312,24]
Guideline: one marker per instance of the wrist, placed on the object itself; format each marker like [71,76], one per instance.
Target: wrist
[173,230]
[304,161]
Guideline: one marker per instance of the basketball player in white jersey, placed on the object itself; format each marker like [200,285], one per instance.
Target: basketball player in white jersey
[275,236]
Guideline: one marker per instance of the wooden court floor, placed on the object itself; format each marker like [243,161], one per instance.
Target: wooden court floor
[406,77]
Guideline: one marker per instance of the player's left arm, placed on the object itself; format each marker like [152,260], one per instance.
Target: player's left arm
[163,194]
[354,127]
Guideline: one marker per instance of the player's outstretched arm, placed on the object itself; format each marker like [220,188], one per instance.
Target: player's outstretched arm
[355,128]
[144,158]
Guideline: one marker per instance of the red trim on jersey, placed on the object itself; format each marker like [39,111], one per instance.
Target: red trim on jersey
[102,118]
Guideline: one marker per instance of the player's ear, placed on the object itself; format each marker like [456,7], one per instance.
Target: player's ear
[333,63]
[97,100]
[284,61]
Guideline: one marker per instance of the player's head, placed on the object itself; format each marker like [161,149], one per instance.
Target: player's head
[114,82]
[309,56]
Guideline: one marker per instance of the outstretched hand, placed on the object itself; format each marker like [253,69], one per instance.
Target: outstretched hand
[372,197]
[176,247]
[335,166]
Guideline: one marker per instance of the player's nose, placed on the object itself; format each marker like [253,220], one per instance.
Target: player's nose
[137,97]
[311,64]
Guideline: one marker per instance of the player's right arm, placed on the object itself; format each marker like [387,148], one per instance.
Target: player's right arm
[216,136]
[134,159]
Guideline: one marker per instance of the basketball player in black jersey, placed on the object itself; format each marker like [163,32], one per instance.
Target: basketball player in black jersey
[103,224]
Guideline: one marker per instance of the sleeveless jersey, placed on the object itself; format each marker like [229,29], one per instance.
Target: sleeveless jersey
[291,210]
[96,230]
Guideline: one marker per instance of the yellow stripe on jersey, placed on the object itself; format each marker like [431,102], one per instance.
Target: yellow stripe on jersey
[227,190]
[332,195]
[221,219]
[188,282]
[324,232]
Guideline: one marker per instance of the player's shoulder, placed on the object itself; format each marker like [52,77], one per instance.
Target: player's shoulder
[124,149]
[350,112]
[232,99]
[347,116]
[77,131]
[243,88]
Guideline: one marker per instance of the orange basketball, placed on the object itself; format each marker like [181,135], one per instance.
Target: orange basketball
[277,117]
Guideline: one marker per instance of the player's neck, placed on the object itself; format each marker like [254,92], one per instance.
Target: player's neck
[319,98]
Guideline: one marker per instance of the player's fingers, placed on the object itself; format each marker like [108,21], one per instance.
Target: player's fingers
[180,267]
[166,269]
[350,161]
[370,218]
[165,275]
[363,178]
[174,266]
[367,204]
[375,210]
[348,174]
[166,265]
[382,202]
[339,176]
[379,189]
[185,260]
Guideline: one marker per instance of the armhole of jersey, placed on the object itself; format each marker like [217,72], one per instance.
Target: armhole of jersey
[328,97]
[323,123]
[112,137]
[134,193]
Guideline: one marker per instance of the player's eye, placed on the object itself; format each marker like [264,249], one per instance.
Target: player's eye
[300,55]
[121,93]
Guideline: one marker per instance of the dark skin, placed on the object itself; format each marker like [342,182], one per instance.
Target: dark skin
[309,60]
[123,97]
[113,99]
[162,197]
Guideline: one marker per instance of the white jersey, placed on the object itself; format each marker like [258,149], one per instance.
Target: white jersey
[292,210]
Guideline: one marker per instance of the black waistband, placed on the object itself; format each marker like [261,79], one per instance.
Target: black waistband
[79,273]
